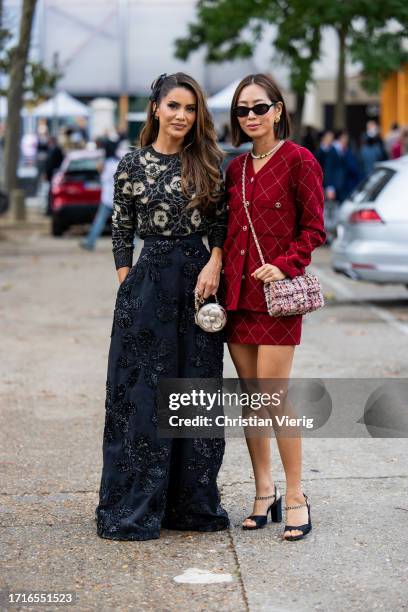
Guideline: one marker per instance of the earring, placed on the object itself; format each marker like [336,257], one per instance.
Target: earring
[277,119]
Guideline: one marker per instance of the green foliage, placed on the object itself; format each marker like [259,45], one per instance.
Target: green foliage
[38,83]
[219,28]
[383,56]
[5,37]
[230,29]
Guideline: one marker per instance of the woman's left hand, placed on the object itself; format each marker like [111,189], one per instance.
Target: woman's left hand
[268,273]
[209,278]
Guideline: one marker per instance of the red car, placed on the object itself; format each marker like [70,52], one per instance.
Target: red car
[76,190]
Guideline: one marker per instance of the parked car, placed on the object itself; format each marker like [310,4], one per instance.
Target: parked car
[372,230]
[76,190]
[231,152]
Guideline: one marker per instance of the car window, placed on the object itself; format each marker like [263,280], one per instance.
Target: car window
[231,152]
[83,164]
[370,188]
[229,156]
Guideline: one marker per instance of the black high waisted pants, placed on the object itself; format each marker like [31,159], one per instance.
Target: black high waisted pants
[149,482]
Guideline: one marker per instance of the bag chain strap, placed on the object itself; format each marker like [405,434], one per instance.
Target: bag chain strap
[200,300]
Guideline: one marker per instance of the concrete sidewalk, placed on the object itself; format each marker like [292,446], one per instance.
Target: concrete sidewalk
[55,315]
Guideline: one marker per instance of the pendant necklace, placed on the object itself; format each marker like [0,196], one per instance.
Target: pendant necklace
[263,155]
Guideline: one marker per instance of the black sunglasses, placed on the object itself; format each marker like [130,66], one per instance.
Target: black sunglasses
[258,109]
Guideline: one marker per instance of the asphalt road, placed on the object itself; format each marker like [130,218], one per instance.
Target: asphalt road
[55,315]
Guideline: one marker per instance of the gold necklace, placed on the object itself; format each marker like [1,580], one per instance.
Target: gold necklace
[262,155]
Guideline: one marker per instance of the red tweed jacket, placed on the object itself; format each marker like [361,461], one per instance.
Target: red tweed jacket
[286,206]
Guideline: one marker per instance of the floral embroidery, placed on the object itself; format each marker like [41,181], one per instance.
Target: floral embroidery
[152,261]
[141,342]
[148,183]
[191,269]
[204,357]
[196,218]
[127,188]
[151,158]
[122,318]
[138,188]
[118,411]
[153,311]
[152,354]
[167,308]
[160,218]
[175,184]
[154,170]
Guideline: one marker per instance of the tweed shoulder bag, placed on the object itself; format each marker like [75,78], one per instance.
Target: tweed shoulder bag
[290,296]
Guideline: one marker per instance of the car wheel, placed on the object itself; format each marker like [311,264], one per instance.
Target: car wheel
[58,227]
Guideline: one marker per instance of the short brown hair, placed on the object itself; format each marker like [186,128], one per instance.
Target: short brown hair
[282,129]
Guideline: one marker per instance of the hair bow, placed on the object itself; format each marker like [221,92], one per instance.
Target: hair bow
[156,86]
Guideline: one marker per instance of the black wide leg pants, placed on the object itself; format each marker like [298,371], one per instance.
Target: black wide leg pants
[149,482]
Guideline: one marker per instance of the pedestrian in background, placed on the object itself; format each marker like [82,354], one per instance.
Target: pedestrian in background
[327,157]
[400,146]
[55,157]
[392,137]
[346,169]
[43,144]
[104,212]
[283,183]
[372,149]
[310,139]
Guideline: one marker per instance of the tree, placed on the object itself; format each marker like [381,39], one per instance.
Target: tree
[24,76]
[371,33]
[230,29]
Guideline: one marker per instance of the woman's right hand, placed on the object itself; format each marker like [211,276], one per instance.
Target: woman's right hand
[268,273]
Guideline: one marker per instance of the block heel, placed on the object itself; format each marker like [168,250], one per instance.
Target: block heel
[276,511]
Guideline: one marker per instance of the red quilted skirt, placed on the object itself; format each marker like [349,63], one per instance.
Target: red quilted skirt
[248,327]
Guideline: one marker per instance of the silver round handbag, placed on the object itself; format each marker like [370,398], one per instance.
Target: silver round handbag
[211,317]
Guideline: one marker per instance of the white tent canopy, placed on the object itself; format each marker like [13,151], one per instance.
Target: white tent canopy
[221,101]
[61,105]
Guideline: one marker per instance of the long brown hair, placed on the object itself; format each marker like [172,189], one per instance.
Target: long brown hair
[282,129]
[200,157]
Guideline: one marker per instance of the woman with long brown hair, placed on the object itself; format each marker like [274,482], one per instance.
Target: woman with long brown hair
[282,182]
[170,192]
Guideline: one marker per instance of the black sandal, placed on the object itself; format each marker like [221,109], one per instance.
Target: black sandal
[275,509]
[303,528]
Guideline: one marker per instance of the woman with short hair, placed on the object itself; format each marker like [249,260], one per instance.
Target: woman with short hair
[283,183]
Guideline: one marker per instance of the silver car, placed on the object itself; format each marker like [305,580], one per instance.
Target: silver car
[372,229]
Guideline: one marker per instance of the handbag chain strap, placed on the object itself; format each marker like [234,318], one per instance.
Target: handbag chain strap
[246,204]
[200,300]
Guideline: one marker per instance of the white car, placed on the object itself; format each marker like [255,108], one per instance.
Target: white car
[372,230]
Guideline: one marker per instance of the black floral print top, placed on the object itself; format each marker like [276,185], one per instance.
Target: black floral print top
[148,200]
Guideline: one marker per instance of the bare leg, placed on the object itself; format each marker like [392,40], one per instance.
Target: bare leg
[276,362]
[245,358]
